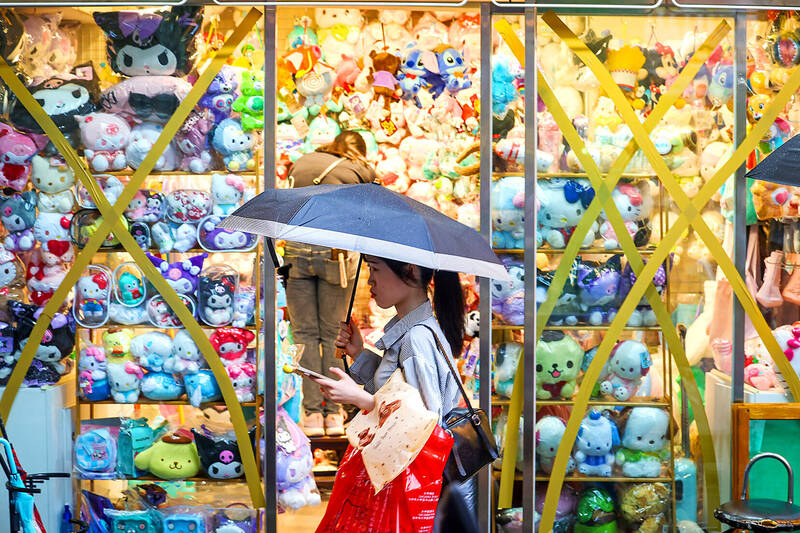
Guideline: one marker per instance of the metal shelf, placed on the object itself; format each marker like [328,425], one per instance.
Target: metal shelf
[506,327]
[588,479]
[154,479]
[159,328]
[121,250]
[645,401]
[626,176]
[130,172]
[596,251]
[145,401]
[586,327]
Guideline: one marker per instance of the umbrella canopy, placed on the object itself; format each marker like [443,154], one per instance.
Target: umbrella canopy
[781,166]
[369,219]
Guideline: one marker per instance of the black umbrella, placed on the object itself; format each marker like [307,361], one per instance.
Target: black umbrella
[780,166]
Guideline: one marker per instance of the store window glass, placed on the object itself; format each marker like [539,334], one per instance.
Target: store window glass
[407,81]
[606,208]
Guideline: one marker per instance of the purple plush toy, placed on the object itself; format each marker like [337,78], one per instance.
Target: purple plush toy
[220,94]
[181,275]
[508,297]
[599,290]
[193,144]
[644,314]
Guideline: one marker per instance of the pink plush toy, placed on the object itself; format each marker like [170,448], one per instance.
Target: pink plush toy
[16,152]
[761,376]
[346,74]
[629,363]
[36,49]
[104,137]
[243,377]
[429,32]
[392,171]
[465,36]
[423,191]
[415,151]
[390,129]
[550,139]
[192,143]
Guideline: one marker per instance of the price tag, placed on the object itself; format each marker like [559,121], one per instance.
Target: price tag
[300,125]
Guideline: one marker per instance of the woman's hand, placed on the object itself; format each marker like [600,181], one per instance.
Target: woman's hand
[349,338]
[345,390]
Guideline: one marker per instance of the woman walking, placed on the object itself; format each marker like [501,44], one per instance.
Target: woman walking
[317,287]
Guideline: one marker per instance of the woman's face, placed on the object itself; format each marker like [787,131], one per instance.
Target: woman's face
[385,287]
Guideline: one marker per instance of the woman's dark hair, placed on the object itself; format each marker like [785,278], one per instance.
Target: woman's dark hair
[348,144]
[448,299]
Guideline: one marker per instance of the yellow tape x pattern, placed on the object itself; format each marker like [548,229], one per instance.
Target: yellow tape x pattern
[112,220]
[603,190]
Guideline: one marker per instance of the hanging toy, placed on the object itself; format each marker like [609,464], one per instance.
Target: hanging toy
[250,105]
[624,65]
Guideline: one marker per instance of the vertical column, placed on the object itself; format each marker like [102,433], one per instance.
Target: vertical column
[529,397]
[740,198]
[268,280]
[484,499]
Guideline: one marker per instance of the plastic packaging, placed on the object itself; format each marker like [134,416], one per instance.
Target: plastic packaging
[215,293]
[214,239]
[96,451]
[92,296]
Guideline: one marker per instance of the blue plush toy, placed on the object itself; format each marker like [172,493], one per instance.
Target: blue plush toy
[234,145]
[567,308]
[508,297]
[504,91]
[161,386]
[508,201]
[201,387]
[411,76]
[446,70]
[184,523]
[563,203]
[322,130]
[599,290]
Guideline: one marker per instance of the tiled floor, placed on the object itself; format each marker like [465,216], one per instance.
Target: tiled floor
[303,521]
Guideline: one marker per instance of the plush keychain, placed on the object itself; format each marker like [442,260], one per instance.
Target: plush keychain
[215,298]
[52,231]
[92,376]
[92,295]
[243,379]
[411,76]
[124,380]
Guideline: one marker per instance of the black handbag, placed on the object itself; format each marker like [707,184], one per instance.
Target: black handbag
[473,448]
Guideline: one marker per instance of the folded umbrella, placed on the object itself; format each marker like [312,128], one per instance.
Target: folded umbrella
[780,166]
[372,220]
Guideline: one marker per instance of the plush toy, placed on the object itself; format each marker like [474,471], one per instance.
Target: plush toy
[16,152]
[390,129]
[391,171]
[234,145]
[296,487]
[411,76]
[508,296]
[117,344]
[598,436]
[388,33]
[92,376]
[12,281]
[151,350]
[43,278]
[506,359]
[191,141]
[768,199]
[567,308]
[231,344]
[104,138]
[250,105]
[54,180]
[189,206]
[315,87]
[761,376]
[143,137]
[160,43]
[598,286]
[563,202]
[644,315]
[464,35]
[595,512]
[624,64]
[215,298]
[220,94]
[634,206]
[160,386]
[124,379]
[130,289]
[18,215]
[549,431]
[145,521]
[508,201]
[243,378]
[213,238]
[415,151]
[52,231]
[244,303]
[448,73]
[93,293]
[201,387]
[219,455]
[57,344]
[145,98]
[322,130]
[339,32]
[382,77]
[720,88]
[147,206]
[172,457]
[629,362]
[185,357]
[227,192]
[644,506]
[429,32]
[645,442]
[558,363]
[504,90]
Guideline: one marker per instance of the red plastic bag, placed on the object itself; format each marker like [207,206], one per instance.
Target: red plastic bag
[406,505]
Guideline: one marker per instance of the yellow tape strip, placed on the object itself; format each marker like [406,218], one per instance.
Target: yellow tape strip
[602,196]
[691,214]
[112,218]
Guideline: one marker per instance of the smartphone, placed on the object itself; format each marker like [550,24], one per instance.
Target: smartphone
[297,369]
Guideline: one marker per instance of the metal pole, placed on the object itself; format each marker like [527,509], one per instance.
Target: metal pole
[739,219]
[268,277]
[484,499]
[529,398]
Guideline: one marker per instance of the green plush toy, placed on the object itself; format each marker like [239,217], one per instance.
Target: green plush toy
[172,457]
[250,105]
[558,362]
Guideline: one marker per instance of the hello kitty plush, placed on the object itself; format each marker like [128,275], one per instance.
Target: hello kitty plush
[338,32]
[54,180]
[629,362]
[52,231]
[143,137]
[234,145]
[186,356]
[634,208]
[645,442]
[508,201]
[563,202]
[549,431]
[104,138]
[192,142]
[43,278]
[93,293]
[124,380]
[227,191]
[231,344]
[16,152]
[92,375]
[243,378]
[18,215]
[597,437]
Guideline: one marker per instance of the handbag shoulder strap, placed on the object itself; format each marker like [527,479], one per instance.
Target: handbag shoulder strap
[327,171]
[452,370]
